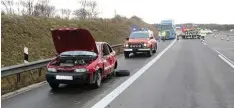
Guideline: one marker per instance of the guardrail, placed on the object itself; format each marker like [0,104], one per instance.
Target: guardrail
[18,76]
[5,71]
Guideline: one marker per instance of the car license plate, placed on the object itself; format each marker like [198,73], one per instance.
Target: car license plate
[60,77]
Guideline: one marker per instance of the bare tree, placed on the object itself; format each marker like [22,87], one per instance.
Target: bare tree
[2,12]
[93,9]
[83,3]
[81,13]
[18,8]
[8,4]
[28,6]
[49,11]
[42,8]
[136,17]
[63,11]
[68,13]
[88,9]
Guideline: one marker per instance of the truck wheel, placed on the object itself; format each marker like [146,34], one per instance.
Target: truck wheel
[149,53]
[54,85]
[126,54]
[98,80]
[155,49]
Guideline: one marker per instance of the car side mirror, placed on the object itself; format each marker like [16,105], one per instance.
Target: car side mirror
[127,39]
[151,37]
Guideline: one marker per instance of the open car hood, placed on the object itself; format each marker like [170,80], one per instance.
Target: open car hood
[73,39]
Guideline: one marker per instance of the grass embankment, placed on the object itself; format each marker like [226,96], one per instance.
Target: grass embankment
[34,33]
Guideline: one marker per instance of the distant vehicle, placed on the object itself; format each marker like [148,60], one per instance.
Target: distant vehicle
[168,27]
[179,31]
[203,33]
[190,31]
[140,41]
[81,61]
[208,31]
[232,30]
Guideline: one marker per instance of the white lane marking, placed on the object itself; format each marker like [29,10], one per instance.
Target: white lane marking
[117,91]
[223,56]
[228,62]
[204,43]
[219,48]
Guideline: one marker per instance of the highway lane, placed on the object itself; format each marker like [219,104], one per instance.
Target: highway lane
[189,75]
[78,96]
[223,46]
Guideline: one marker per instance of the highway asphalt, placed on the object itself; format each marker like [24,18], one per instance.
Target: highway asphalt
[189,74]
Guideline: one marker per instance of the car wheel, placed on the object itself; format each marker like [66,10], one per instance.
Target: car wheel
[149,53]
[126,54]
[155,49]
[54,85]
[122,73]
[98,80]
[113,73]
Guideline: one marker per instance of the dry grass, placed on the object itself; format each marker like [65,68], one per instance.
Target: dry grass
[34,33]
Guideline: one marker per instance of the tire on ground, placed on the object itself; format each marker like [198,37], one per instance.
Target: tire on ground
[54,85]
[122,73]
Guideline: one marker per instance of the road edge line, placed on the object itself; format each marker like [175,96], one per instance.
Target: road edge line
[118,90]
[228,62]
[221,55]
[22,90]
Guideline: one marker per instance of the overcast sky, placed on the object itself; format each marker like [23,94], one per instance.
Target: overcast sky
[152,11]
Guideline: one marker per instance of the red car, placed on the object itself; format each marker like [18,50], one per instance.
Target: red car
[80,59]
[140,41]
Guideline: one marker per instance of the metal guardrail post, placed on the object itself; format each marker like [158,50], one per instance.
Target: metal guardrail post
[39,73]
[18,77]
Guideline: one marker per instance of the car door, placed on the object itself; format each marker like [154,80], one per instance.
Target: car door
[106,59]
[112,58]
[153,40]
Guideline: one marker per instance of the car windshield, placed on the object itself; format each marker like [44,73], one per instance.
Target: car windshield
[78,53]
[139,35]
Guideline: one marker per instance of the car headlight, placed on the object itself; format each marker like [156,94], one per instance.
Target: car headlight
[145,44]
[81,70]
[51,70]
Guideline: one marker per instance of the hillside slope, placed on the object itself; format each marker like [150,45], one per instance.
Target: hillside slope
[34,33]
